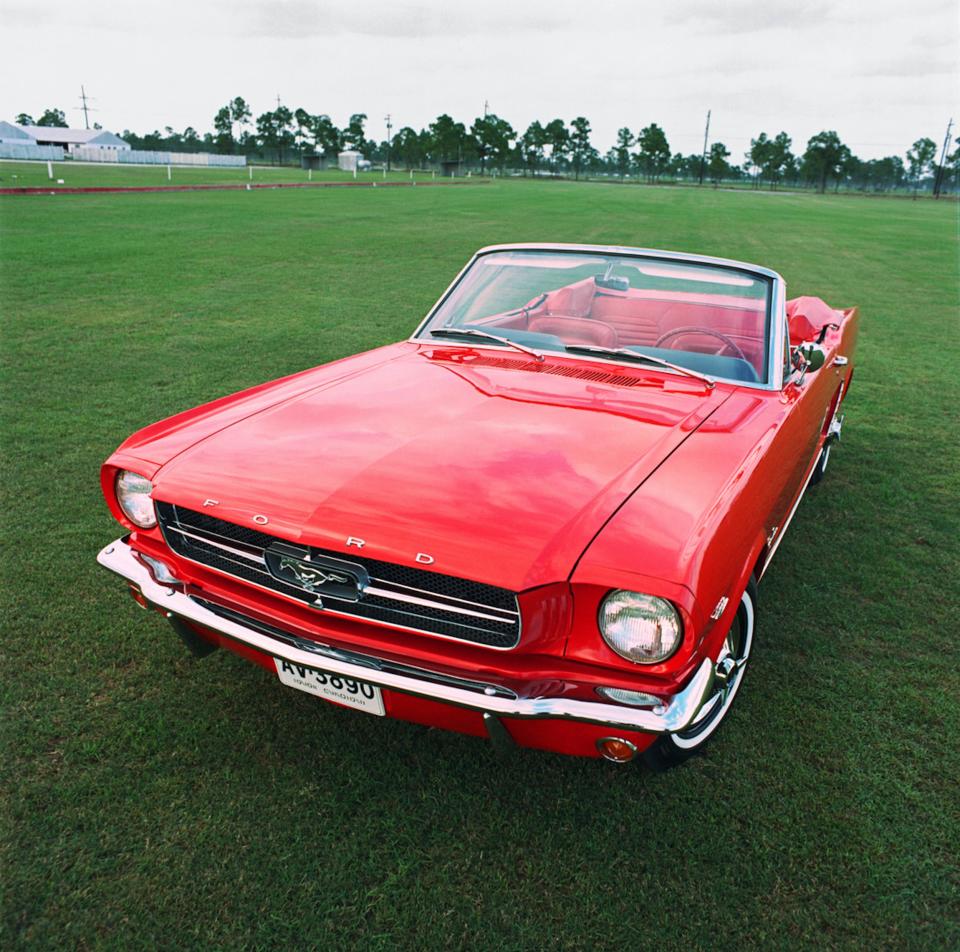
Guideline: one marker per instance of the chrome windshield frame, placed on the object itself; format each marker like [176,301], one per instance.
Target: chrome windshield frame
[776,318]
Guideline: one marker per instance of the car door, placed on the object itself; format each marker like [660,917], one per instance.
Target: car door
[808,401]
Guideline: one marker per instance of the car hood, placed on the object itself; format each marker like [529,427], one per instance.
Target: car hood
[494,468]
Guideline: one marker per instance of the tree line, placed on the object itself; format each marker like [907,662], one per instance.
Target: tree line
[550,148]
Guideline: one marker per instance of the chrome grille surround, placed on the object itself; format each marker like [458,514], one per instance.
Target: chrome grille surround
[399,596]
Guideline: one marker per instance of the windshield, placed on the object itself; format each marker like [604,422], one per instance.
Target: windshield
[707,318]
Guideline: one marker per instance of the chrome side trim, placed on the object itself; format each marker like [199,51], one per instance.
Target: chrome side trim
[789,519]
[677,714]
[446,598]
[413,600]
[219,545]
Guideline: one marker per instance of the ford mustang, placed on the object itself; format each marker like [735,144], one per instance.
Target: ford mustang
[541,519]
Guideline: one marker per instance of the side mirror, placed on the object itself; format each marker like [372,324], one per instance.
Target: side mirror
[809,357]
[814,356]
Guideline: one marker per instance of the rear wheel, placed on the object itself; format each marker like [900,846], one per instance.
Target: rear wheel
[673,749]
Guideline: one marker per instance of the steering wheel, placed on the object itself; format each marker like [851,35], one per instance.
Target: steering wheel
[709,332]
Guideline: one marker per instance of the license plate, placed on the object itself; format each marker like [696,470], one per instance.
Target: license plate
[332,687]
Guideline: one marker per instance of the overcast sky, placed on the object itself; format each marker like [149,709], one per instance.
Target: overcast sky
[880,72]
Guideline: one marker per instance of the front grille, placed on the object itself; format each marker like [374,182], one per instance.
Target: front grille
[397,595]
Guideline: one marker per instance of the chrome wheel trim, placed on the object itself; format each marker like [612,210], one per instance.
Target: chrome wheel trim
[825,456]
[715,709]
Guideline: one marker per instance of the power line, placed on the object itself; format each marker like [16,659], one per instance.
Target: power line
[389,122]
[84,99]
[938,178]
[703,155]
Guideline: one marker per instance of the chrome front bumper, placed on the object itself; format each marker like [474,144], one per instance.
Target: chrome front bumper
[673,715]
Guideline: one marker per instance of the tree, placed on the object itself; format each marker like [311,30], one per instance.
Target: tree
[191,140]
[353,135]
[531,145]
[758,154]
[53,117]
[717,164]
[239,112]
[445,139]
[223,124]
[883,174]
[408,145]
[326,136]
[771,157]
[558,138]
[303,120]
[621,151]
[284,118]
[826,155]
[920,158]
[274,130]
[953,163]
[582,153]
[24,119]
[653,155]
[493,136]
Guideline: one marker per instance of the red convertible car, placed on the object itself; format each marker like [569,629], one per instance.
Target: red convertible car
[541,519]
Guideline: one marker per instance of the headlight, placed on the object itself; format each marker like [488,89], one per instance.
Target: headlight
[133,494]
[641,628]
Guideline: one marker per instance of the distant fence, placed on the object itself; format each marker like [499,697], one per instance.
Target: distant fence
[89,153]
[46,153]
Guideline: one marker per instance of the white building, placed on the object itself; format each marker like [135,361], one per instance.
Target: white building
[351,161]
[67,139]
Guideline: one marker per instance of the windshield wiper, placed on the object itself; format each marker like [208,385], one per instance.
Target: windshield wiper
[475,332]
[638,356]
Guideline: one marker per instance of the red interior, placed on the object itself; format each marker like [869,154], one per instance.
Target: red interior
[584,313]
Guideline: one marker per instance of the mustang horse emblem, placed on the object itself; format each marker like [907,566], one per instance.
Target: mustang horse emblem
[310,578]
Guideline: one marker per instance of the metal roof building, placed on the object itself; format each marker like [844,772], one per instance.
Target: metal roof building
[68,139]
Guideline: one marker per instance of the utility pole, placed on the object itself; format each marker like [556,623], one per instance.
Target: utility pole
[84,99]
[486,108]
[938,179]
[389,137]
[703,155]
[278,100]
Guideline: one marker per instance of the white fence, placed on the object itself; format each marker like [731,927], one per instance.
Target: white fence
[89,153]
[46,153]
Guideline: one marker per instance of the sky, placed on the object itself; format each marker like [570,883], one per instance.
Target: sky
[882,73]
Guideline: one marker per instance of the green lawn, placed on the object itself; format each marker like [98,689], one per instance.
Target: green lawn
[152,801]
[87,175]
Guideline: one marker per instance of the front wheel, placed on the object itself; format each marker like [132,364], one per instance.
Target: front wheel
[673,749]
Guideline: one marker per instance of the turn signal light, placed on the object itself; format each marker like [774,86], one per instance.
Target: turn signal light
[617,749]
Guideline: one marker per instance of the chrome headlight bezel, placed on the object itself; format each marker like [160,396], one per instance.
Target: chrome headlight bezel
[134,497]
[658,627]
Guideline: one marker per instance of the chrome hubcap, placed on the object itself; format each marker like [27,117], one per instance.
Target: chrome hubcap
[727,676]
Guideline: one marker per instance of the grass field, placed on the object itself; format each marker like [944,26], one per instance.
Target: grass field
[88,175]
[152,801]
